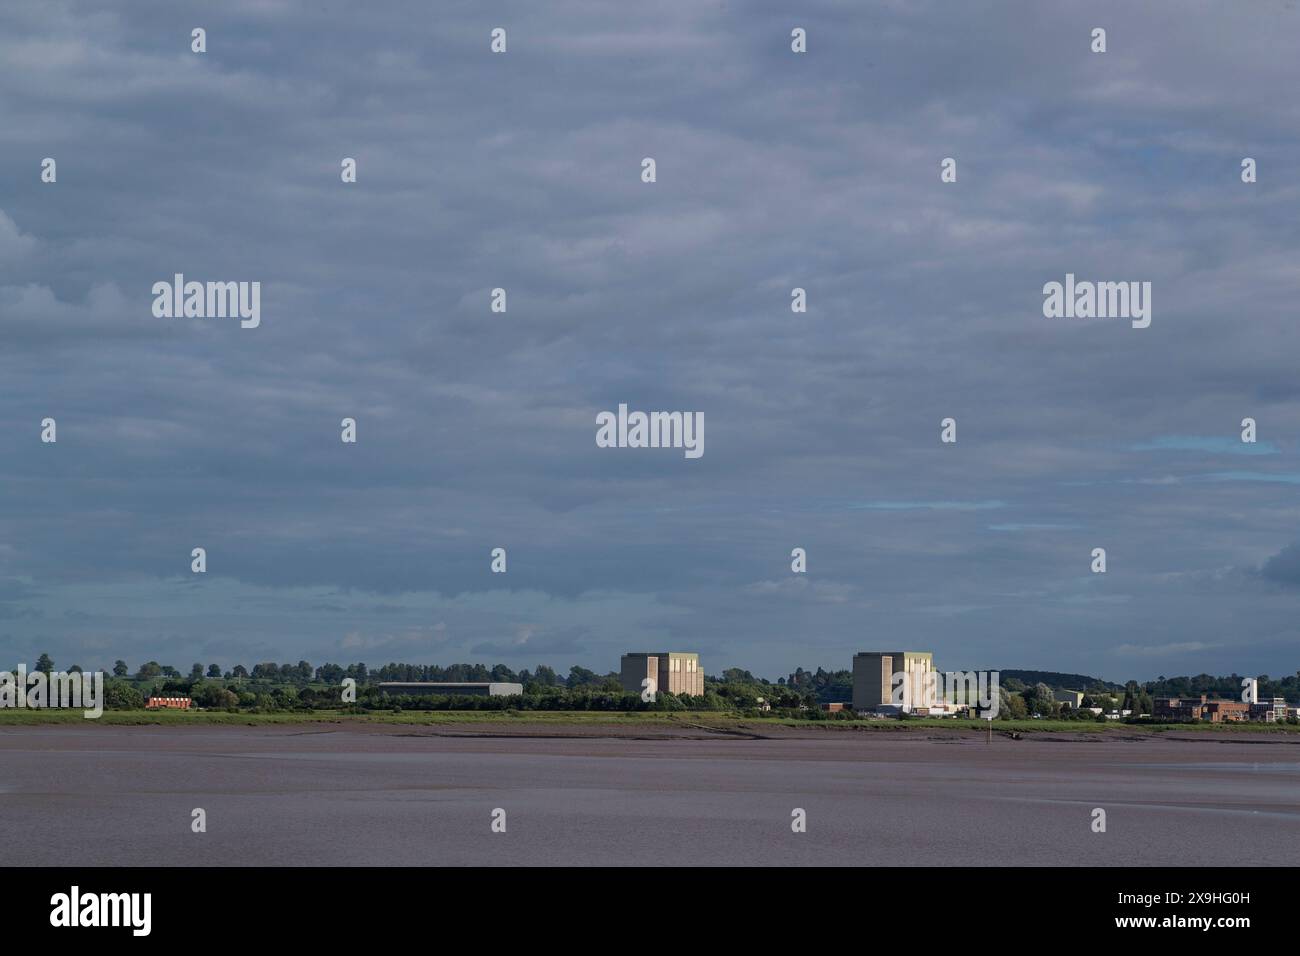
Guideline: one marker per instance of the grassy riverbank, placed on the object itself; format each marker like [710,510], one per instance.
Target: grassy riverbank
[721,722]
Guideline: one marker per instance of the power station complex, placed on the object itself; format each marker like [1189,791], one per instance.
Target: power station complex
[673,671]
[873,673]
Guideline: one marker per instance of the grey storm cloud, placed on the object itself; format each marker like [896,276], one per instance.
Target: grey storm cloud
[1284,567]
[476,430]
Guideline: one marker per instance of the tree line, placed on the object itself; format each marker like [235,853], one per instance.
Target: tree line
[270,684]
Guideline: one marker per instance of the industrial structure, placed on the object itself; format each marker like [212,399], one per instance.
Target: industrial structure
[1213,711]
[1070,698]
[676,672]
[453,688]
[873,681]
[1270,711]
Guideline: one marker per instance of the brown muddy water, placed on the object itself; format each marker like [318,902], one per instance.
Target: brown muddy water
[350,795]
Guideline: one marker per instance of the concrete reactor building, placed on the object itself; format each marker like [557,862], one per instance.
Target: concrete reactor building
[676,672]
[873,680]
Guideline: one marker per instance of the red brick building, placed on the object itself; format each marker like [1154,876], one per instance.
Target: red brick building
[1188,708]
[172,703]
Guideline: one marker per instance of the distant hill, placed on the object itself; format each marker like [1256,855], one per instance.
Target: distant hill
[1058,681]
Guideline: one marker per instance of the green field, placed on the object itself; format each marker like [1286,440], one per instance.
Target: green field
[721,722]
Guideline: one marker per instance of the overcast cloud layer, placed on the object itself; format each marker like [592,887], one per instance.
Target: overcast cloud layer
[477,430]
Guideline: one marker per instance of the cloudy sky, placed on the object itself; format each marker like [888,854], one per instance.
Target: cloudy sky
[476,430]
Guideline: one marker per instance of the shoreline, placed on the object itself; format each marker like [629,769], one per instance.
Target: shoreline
[649,725]
[338,794]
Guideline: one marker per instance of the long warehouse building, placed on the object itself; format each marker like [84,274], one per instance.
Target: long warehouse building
[453,688]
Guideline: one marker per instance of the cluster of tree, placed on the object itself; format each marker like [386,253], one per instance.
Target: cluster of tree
[1137,699]
[300,673]
[303,673]
[826,686]
[1060,681]
[127,695]
[1228,688]
[1019,700]
[542,677]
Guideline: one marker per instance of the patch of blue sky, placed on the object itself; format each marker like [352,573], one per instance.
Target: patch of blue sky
[927,505]
[1034,526]
[1274,477]
[1208,444]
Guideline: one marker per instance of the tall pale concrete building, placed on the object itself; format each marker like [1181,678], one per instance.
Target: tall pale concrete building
[674,671]
[873,673]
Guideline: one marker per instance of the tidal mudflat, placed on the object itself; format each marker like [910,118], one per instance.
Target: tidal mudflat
[348,795]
